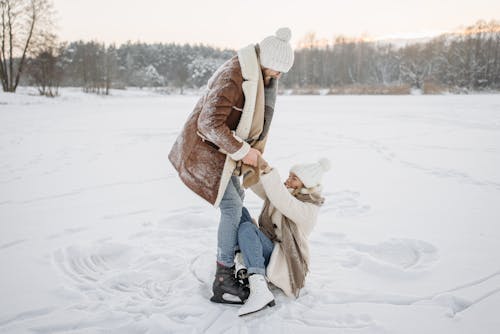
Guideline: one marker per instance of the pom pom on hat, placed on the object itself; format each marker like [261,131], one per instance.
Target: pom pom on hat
[276,52]
[285,34]
[311,174]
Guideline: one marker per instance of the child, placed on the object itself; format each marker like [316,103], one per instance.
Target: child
[278,246]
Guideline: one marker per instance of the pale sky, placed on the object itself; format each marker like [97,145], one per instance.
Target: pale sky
[236,23]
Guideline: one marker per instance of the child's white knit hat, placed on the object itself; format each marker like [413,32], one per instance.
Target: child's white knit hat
[276,52]
[311,174]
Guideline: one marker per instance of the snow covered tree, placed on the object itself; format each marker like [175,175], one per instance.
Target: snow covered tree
[110,67]
[414,67]
[149,77]
[201,69]
[385,68]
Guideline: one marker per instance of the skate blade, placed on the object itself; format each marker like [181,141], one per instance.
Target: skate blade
[270,304]
[230,299]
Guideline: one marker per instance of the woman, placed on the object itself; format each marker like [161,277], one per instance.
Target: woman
[278,247]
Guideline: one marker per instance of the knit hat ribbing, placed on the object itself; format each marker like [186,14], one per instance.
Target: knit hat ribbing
[311,174]
[276,52]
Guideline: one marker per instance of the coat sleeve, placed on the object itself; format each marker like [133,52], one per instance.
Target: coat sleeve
[216,109]
[302,214]
[258,189]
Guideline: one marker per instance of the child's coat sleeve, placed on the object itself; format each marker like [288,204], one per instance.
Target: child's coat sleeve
[258,189]
[302,214]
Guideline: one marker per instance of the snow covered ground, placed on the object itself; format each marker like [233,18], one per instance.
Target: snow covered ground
[99,235]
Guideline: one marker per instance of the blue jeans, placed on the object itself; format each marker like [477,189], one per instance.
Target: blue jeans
[255,247]
[230,208]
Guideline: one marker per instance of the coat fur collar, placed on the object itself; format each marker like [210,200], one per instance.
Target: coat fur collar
[250,70]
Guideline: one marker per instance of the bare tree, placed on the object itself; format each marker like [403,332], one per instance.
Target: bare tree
[45,71]
[25,27]
[414,66]
[110,67]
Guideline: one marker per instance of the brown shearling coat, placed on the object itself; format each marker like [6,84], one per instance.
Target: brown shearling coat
[199,154]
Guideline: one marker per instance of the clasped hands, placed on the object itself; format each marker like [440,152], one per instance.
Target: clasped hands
[254,158]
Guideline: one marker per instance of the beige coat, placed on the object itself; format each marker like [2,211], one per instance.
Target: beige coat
[303,214]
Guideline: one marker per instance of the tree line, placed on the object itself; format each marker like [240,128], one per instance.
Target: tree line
[468,59]
[31,55]
[96,67]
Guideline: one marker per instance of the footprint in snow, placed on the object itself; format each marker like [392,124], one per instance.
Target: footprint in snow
[127,275]
[403,254]
[344,203]
[396,256]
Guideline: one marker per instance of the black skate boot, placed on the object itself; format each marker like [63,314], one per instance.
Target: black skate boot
[226,288]
[241,270]
[242,276]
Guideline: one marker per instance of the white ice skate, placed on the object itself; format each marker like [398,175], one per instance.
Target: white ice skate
[260,296]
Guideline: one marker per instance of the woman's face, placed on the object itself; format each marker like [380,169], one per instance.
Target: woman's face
[293,182]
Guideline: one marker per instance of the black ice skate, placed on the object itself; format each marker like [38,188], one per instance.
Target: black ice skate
[227,288]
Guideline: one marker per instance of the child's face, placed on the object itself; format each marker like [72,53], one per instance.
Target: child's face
[293,182]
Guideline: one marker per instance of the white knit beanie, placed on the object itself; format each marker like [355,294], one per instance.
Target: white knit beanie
[311,174]
[276,52]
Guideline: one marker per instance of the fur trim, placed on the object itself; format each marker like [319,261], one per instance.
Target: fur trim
[312,190]
[249,63]
[240,154]
[250,66]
